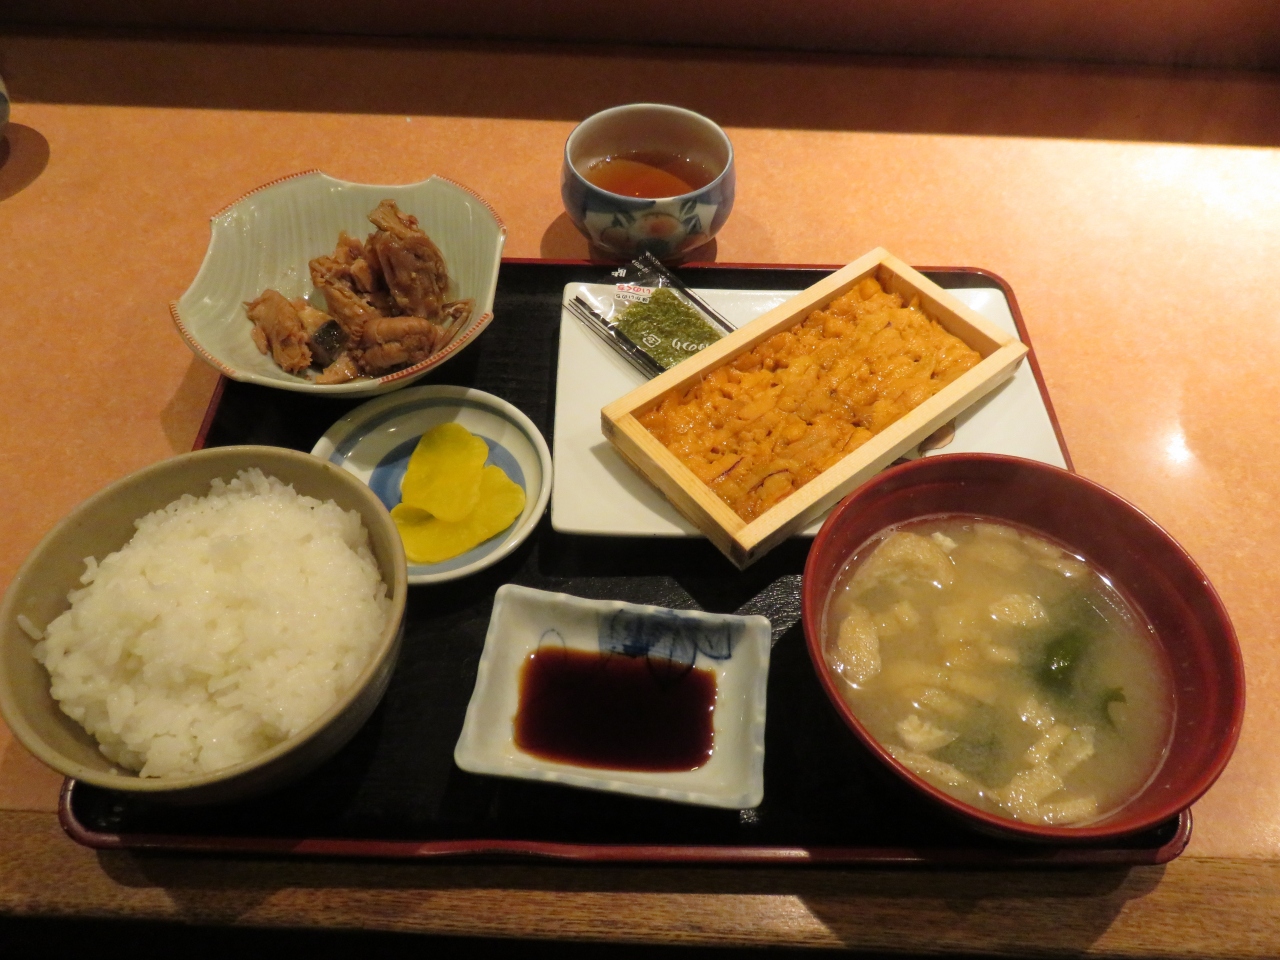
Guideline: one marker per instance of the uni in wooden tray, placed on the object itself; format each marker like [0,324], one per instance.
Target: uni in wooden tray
[744,541]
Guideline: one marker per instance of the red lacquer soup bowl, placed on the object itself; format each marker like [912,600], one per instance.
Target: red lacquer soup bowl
[1144,563]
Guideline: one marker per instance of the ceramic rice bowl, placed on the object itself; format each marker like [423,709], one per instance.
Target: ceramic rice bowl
[104,523]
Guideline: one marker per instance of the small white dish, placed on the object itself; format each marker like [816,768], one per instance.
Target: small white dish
[374,442]
[268,237]
[597,493]
[735,648]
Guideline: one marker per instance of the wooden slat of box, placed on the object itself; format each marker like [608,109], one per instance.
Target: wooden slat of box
[744,542]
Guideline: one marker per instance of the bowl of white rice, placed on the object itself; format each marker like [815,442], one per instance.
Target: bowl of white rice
[210,627]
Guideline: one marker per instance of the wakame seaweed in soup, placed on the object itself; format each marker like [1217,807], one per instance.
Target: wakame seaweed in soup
[1001,668]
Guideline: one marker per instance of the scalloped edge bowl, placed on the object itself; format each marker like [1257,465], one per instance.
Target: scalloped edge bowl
[267,237]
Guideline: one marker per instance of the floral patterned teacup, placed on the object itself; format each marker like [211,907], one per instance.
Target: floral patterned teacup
[667,227]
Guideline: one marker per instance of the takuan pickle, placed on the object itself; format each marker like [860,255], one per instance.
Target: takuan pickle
[443,477]
[449,500]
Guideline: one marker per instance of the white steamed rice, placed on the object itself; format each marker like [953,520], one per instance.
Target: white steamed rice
[226,625]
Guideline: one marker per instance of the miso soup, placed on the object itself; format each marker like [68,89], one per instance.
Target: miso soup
[1001,668]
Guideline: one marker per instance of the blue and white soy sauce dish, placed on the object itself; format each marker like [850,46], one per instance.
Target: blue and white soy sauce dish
[676,647]
[375,440]
[667,227]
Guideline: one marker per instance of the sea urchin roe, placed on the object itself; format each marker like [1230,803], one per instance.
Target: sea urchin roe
[667,328]
[760,427]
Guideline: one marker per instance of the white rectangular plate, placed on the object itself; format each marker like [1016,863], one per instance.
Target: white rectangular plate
[595,492]
[735,649]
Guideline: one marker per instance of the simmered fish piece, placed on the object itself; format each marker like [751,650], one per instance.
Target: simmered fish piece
[391,342]
[412,265]
[325,336]
[340,371]
[454,316]
[364,273]
[278,329]
[351,280]
[386,301]
[352,311]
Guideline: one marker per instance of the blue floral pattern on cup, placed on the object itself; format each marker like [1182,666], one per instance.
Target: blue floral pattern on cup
[666,227]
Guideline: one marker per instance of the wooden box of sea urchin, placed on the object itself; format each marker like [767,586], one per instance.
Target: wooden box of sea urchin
[744,541]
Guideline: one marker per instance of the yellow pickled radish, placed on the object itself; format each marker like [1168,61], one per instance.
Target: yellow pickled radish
[443,477]
[429,539]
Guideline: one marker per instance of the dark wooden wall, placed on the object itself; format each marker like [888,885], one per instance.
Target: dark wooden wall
[1220,33]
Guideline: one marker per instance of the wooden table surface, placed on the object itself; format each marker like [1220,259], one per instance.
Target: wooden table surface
[1135,212]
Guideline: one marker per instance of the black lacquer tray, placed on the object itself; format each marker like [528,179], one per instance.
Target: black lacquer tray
[394,791]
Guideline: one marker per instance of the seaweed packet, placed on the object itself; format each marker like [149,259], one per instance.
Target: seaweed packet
[648,316]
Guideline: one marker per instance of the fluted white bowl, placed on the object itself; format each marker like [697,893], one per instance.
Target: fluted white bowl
[268,237]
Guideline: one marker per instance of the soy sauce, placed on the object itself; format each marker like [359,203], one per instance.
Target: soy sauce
[616,712]
[648,174]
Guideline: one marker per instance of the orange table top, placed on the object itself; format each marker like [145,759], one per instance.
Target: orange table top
[1133,211]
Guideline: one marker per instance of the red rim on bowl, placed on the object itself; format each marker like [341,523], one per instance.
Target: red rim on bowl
[1154,572]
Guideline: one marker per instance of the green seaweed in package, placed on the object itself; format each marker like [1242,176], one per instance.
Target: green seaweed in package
[649,317]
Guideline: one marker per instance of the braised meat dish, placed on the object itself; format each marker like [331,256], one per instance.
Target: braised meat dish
[387,303]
